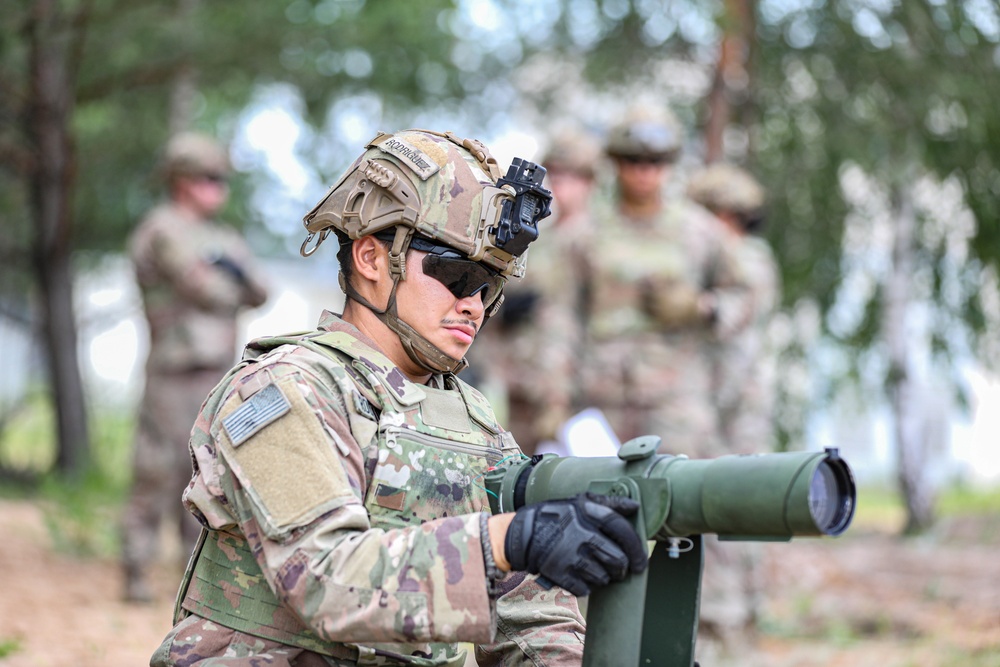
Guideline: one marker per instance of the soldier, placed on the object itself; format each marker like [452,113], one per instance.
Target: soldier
[744,370]
[195,275]
[664,286]
[338,473]
[533,348]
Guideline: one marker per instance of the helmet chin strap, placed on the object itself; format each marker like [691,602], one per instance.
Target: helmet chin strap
[420,350]
[423,353]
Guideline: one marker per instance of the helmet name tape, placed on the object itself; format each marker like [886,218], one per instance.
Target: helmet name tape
[412,156]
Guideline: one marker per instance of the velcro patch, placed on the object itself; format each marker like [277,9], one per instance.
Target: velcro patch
[389,497]
[364,407]
[410,155]
[263,408]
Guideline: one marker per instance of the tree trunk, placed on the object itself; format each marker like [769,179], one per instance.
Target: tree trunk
[184,90]
[911,447]
[47,121]
[731,77]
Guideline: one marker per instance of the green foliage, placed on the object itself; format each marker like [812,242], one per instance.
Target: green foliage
[9,647]
[27,442]
[81,512]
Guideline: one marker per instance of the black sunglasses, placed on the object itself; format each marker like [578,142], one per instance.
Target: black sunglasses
[462,276]
[644,159]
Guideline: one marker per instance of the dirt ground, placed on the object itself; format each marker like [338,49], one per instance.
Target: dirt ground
[866,599]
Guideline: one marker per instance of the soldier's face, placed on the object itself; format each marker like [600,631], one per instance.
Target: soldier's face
[640,179]
[570,190]
[206,195]
[427,305]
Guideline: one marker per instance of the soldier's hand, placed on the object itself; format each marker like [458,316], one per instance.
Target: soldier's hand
[674,305]
[577,543]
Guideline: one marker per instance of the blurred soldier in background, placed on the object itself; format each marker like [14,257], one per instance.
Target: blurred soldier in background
[743,387]
[743,369]
[531,350]
[665,285]
[195,275]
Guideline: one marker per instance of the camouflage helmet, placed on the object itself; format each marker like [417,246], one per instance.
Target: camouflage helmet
[193,154]
[727,188]
[646,131]
[440,189]
[573,150]
[436,186]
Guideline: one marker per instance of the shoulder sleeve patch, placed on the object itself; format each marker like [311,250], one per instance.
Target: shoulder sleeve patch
[290,470]
[263,408]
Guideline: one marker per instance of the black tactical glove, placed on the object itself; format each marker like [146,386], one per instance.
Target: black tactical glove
[577,543]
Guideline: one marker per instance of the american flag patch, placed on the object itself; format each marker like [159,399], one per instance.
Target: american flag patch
[263,408]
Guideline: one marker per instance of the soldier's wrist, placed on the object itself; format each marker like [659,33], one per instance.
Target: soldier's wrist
[493,572]
[496,529]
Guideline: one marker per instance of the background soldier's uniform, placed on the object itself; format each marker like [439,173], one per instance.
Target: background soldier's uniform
[648,365]
[330,482]
[744,367]
[191,300]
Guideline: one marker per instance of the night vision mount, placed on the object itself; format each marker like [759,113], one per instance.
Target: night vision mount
[519,217]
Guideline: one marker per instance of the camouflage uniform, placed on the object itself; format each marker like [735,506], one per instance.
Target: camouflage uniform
[743,369]
[380,541]
[191,303]
[663,289]
[346,520]
[648,366]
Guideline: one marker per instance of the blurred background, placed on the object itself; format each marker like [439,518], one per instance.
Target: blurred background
[869,122]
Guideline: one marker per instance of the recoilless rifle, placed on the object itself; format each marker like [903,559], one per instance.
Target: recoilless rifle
[651,618]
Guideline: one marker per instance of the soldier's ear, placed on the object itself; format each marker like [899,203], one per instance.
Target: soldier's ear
[370,258]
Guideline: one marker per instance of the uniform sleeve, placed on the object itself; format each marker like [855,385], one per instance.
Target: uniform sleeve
[254,284]
[184,265]
[563,285]
[293,475]
[535,627]
[728,283]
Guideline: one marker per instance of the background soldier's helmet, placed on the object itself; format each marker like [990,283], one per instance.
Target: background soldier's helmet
[574,151]
[194,154]
[647,131]
[727,188]
[437,186]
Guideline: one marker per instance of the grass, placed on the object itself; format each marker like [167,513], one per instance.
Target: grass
[81,512]
[882,509]
[9,647]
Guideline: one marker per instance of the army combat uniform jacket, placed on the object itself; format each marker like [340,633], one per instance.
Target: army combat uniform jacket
[648,364]
[195,276]
[345,514]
